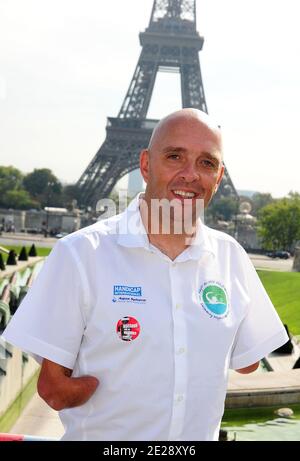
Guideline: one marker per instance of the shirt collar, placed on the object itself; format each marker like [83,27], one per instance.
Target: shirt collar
[132,233]
[131,230]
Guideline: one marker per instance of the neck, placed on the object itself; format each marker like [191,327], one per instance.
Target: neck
[170,243]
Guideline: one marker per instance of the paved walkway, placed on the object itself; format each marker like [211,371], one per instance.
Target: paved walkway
[279,387]
[259,261]
[266,263]
[39,420]
[7,238]
[281,362]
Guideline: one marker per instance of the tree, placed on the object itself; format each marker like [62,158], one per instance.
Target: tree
[10,179]
[223,208]
[70,196]
[279,224]
[44,186]
[19,199]
[260,200]
[294,195]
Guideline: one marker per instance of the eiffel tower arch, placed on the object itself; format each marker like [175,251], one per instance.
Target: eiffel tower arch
[170,42]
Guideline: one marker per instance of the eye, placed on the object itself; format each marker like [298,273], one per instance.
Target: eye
[208,164]
[174,156]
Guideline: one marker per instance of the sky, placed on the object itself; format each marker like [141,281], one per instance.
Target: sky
[65,65]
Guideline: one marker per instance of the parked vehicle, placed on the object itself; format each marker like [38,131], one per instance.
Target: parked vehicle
[279,254]
[34,231]
[61,235]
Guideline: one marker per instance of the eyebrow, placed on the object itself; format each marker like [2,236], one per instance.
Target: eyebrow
[174,149]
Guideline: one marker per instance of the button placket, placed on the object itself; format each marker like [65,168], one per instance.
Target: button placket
[180,356]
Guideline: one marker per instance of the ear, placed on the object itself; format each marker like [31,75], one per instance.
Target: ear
[144,164]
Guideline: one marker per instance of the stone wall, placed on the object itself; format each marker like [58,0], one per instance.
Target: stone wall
[296,265]
[39,220]
[19,369]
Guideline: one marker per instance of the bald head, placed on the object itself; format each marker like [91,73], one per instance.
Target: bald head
[185,156]
[186,118]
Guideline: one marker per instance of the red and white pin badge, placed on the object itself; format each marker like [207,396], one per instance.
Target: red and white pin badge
[128,328]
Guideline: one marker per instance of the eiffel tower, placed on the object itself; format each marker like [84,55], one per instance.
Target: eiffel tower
[171,42]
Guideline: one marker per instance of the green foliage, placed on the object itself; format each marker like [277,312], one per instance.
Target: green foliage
[294,195]
[19,199]
[279,223]
[12,194]
[44,186]
[41,182]
[41,251]
[241,416]
[222,208]
[260,200]
[37,189]
[10,179]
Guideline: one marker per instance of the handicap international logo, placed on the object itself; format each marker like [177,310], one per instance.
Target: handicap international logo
[128,328]
[123,290]
[126,294]
[213,299]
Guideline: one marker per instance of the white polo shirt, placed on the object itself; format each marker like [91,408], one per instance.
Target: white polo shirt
[159,334]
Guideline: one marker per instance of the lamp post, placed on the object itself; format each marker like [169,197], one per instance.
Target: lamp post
[236,224]
[50,184]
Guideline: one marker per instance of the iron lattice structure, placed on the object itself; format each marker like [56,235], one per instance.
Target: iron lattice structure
[170,43]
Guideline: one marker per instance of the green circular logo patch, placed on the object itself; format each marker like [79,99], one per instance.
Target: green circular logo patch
[214,299]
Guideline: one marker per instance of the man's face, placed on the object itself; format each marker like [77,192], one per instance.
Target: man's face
[185,162]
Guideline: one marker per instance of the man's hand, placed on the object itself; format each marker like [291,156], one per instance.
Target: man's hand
[249,369]
[59,390]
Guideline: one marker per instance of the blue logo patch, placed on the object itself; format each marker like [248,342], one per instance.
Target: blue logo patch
[123,290]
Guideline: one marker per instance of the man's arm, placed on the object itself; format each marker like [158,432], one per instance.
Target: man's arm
[248,369]
[59,390]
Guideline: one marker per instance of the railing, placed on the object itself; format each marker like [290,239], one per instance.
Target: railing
[16,370]
[24,438]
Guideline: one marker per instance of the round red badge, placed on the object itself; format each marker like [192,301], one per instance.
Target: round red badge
[128,328]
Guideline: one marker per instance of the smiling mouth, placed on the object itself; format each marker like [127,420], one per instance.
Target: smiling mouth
[184,194]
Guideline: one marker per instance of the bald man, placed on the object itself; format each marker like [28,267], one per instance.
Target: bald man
[137,328]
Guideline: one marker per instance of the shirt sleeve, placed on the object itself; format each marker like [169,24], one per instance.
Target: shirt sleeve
[50,322]
[261,331]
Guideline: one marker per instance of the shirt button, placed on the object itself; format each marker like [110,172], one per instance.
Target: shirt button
[181,350]
[178,306]
[179,398]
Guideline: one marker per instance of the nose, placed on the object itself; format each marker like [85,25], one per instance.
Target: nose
[190,173]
